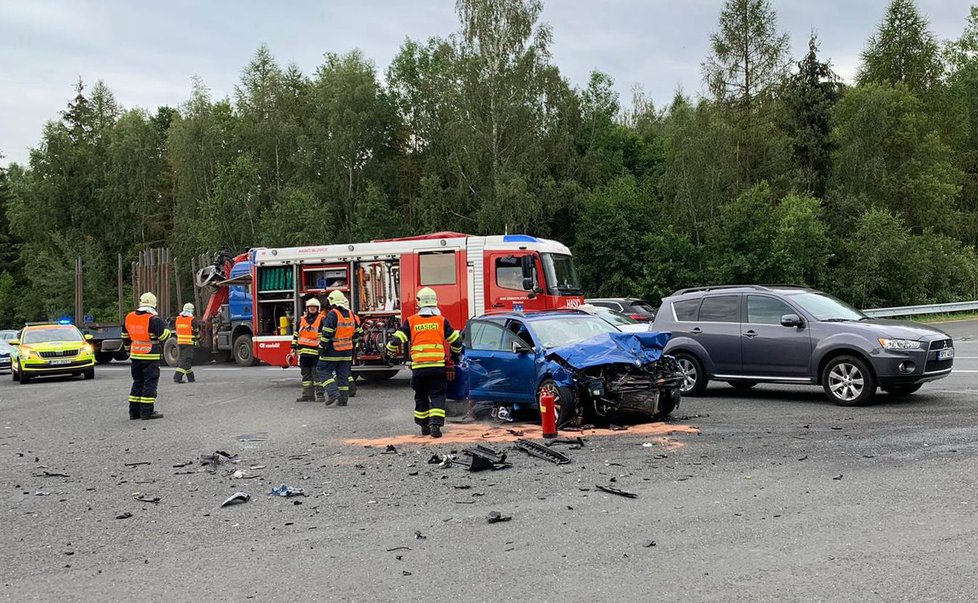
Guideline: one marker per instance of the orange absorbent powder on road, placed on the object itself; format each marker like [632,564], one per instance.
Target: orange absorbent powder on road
[465,433]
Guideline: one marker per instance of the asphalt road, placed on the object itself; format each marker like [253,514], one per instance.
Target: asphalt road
[780,496]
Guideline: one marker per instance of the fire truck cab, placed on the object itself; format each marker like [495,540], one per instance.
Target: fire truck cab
[472,275]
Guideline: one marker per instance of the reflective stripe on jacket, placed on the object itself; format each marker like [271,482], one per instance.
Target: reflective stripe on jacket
[143,334]
[185,330]
[306,337]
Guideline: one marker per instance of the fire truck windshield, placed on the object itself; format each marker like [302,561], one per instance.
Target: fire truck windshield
[561,274]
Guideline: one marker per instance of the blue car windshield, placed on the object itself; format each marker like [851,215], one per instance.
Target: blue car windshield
[565,330]
[826,308]
[5,348]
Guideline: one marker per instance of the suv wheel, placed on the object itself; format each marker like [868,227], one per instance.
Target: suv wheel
[847,381]
[694,377]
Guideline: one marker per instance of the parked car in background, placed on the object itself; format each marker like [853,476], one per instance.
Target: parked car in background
[5,351]
[752,334]
[636,309]
[624,323]
[593,370]
[8,334]
[51,349]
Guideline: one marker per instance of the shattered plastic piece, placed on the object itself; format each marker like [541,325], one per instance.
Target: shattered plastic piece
[50,474]
[236,499]
[837,477]
[399,548]
[434,460]
[647,444]
[406,573]
[516,432]
[287,491]
[542,452]
[125,515]
[239,474]
[390,449]
[616,491]
[575,443]
[419,536]
[146,499]
[617,428]
[497,517]
[259,436]
[650,544]
[39,493]
[187,464]
[136,464]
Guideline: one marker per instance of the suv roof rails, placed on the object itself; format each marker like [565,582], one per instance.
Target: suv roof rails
[722,287]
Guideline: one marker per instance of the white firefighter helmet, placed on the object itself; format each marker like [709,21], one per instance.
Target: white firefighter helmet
[188,308]
[427,298]
[336,298]
[313,302]
[147,299]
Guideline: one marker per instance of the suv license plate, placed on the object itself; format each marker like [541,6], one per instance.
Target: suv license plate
[58,362]
[945,354]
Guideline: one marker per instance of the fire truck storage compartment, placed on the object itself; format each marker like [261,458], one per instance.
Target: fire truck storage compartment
[325,278]
[276,299]
[377,299]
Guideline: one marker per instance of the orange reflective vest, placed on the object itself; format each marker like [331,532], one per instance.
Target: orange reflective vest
[185,330]
[137,326]
[346,327]
[308,333]
[427,341]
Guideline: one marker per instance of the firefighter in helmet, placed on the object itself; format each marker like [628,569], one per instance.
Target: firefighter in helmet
[305,345]
[188,338]
[143,335]
[338,336]
[428,334]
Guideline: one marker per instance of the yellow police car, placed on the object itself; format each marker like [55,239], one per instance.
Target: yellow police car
[51,349]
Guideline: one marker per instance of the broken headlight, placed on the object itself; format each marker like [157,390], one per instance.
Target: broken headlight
[595,387]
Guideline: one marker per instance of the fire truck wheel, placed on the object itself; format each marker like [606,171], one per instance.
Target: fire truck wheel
[103,357]
[376,376]
[171,352]
[243,352]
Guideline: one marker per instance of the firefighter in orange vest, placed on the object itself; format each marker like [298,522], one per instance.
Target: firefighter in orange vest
[429,334]
[143,335]
[305,345]
[188,337]
[338,337]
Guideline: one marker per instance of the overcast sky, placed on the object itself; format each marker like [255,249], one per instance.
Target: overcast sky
[147,51]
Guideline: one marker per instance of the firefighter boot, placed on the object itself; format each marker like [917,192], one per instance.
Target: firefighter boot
[190,377]
[425,430]
[343,399]
[307,395]
[134,410]
[353,386]
[320,397]
[178,377]
[436,431]
[148,412]
[332,398]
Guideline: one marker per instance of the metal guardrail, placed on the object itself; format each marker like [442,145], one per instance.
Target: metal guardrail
[965,306]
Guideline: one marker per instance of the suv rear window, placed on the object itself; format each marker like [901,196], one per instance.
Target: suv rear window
[720,308]
[642,307]
[686,310]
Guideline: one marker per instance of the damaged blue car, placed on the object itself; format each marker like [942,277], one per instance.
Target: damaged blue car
[593,370]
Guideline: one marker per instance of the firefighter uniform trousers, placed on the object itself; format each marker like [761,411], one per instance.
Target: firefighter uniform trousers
[145,379]
[186,366]
[336,342]
[429,386]
[311,387]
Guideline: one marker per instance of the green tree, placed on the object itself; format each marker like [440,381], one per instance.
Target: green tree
[802,246]
[809,97]
[902,51]
[742,249]
[748,61]
[962,57]
[889,151]
[875,257]
[296,218]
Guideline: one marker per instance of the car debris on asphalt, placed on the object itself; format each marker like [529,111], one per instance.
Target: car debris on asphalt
[616,491]
[497,517]
[236,499]
[125,515]
[542,452]
[287,491]
[146,499]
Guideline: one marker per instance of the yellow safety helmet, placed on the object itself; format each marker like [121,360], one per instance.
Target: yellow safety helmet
[147,299]
[427,298]
[336,298]
[313,301]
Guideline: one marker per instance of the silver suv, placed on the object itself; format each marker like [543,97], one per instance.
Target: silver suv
[750,334]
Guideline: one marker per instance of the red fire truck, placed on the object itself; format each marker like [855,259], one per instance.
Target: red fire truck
[472,275]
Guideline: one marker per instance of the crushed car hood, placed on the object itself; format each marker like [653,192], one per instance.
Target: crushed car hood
[613,348]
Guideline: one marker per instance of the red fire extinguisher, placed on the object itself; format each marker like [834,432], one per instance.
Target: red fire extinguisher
[548,413]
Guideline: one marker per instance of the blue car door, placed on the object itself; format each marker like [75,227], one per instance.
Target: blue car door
[519,367]
[484,339]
